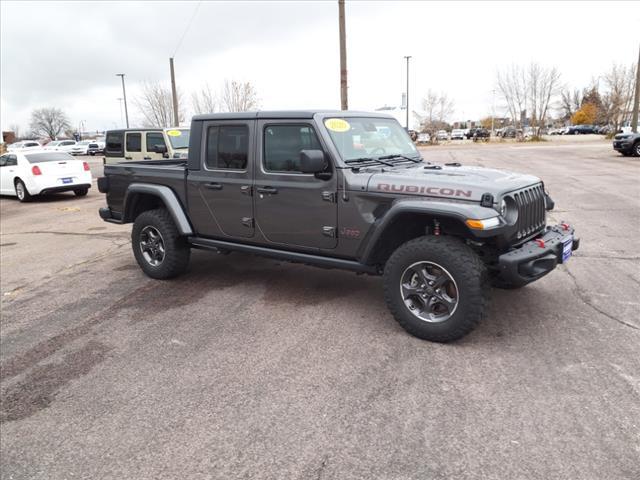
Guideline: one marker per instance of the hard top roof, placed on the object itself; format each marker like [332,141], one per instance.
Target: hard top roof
[278,114]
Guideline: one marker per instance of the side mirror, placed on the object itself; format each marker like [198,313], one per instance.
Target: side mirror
[160,148]
[312,161]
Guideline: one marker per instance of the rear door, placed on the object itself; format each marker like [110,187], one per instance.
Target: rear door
[223,205]
[294,208]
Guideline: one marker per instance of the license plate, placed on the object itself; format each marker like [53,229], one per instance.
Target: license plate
[67,180]
[567,248]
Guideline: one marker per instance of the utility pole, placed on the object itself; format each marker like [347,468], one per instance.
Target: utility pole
[121,117]
[636,98]
[407,57]
[344,103]
[124,94]
[493,111]
[176,120]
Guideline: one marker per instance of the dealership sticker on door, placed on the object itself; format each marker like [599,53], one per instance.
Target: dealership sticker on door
[567,247]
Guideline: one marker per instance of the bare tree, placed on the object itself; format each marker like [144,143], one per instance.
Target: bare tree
[49,122]
[543,86]
[570,102]
[618,98]
[438,108]
[156,105]
[529,89]
[445,108]
[204,101]
[238,97]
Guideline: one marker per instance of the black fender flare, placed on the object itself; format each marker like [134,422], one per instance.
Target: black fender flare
[169,199]
[452,210]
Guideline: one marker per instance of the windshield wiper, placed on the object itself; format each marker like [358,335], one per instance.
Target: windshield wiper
[369,159]
[397,155]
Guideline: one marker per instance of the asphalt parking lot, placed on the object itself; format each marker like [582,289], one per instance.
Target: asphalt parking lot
[253,368]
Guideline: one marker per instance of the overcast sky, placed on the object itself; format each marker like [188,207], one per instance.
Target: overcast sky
[66,54]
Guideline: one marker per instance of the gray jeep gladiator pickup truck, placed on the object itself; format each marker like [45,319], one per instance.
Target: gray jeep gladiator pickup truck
[342,190]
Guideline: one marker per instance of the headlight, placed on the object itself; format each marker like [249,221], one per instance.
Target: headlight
[503,208]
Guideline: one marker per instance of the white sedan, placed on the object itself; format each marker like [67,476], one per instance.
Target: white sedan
[24,145]
[60,145]
[25,174]
[80,148]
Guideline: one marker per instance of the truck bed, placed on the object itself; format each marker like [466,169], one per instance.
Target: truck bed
[170,173]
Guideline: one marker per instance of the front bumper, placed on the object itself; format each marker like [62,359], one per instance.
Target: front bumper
[535,258]
[622,146]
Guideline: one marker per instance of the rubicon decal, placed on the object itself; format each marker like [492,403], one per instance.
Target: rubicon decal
[423,190]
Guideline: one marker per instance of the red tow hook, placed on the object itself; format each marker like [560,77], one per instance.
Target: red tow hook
[565,226]
[540,242]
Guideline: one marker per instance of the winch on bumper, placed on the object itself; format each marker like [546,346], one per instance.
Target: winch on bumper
[535,258]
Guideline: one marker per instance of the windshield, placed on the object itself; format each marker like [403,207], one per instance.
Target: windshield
[358,137]
[179,138]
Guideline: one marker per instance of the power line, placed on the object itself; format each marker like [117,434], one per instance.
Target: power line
[187,28]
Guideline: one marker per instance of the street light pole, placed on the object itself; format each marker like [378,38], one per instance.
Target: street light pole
[493,111]
[344,103]
[121,117]
[407,57]
[124,94]
[636,99]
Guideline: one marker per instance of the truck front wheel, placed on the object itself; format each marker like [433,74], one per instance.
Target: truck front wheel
[157,245]
[436,288]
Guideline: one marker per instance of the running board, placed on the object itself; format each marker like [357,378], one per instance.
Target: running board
[309,259]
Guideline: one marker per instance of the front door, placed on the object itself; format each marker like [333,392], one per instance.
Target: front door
[153,140]
[8,167]
[293,208]
[223,206]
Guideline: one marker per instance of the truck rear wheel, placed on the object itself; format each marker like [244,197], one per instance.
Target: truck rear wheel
[436,288]
[159,248]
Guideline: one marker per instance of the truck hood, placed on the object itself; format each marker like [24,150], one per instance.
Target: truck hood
[464,183]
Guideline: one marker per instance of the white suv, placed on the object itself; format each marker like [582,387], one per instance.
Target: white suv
[60,145]
[24,145]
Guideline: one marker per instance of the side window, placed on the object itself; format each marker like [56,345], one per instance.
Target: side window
[282,146]
[134,142]
[3,160]
[154,139]
[114,144]
[11,161]
[227,147]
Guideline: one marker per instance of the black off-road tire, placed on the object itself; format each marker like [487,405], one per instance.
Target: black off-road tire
[25,196]
[81,192]
[176,249]
[466,269]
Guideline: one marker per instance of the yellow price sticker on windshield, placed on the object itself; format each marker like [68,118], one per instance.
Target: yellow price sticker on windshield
[337,124]
[174,133]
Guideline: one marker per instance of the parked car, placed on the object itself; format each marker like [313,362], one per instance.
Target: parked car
[442,135]
[457,134]
[37,172]
[477,133]
[60,145]
[277,184]
[423,138]
[24,145]
[581,130]
[80,148]
[95,148]
[627,144]
[508,132]
[146,144]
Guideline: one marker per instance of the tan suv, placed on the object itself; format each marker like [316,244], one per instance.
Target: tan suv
[135,144]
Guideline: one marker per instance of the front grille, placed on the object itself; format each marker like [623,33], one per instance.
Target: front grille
[531,211]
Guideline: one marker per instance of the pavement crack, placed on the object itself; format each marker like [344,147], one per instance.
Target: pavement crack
[323,466]
[585,298]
